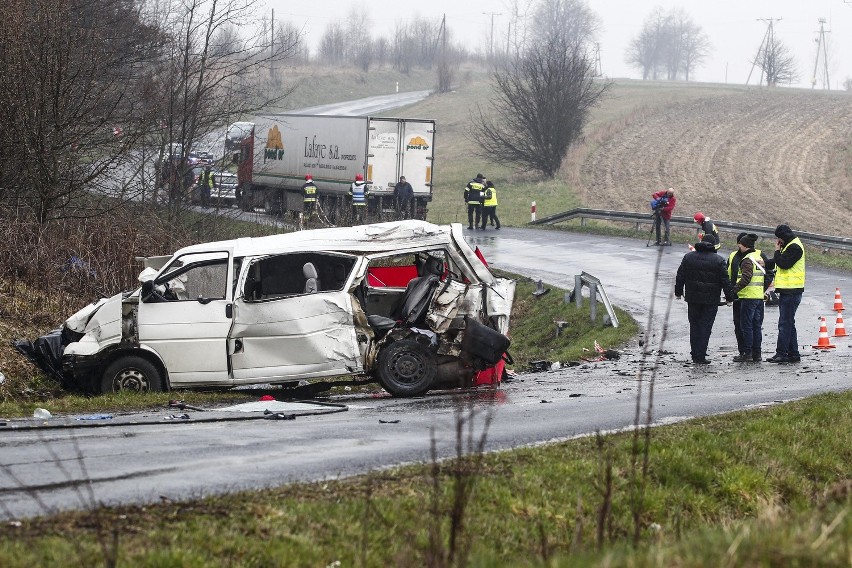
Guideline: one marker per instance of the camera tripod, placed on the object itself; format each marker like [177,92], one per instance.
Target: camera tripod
[655,219]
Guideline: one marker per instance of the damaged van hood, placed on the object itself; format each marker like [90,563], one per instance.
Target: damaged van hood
[80,321]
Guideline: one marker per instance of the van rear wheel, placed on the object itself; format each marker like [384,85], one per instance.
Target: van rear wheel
[131,373]
[406,368]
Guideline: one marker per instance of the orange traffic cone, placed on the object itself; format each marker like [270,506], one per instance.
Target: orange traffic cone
[839,328]
[838,302]
[823,342]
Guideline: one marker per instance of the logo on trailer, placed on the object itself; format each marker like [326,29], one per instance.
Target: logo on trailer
[417,143]
[274,146]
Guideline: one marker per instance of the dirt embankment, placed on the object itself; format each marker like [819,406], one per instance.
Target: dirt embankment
[758,156]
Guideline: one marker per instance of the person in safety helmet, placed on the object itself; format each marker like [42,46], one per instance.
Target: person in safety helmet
[706,227]
[358,193]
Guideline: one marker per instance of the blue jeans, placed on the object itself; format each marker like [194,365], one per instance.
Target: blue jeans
[788,341]
[701,318]
[751,324]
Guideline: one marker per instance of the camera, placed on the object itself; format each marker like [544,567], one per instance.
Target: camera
[661,203]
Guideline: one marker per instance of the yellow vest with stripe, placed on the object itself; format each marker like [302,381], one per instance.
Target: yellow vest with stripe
[491,201]
[793,277]
[754,289]
[477,189]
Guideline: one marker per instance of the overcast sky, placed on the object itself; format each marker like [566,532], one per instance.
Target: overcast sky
[734,27]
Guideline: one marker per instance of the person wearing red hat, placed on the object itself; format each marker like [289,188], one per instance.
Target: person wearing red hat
[309,198]
[358,193]
[707,227]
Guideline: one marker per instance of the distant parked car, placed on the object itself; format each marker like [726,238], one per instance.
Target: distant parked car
[206,158]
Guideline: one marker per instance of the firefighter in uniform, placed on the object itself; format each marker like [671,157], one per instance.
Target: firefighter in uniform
[489,206]
[309,198]
[707,227]
[749,290]
[358,193]
[474,195]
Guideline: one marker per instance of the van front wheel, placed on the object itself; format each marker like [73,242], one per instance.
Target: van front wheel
[131,373]
[406,368]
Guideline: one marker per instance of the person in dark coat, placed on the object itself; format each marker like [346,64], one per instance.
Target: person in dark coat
[665,202]
[703,276]
[403,195]
[474,196]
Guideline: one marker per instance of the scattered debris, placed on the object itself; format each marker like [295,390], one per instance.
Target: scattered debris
[42,414]
[95,417]
[388,421]
[2,378]
[539,366]
[177,417]
[181,405]
[269,415]
[574,395]
[545,401]
[540,290]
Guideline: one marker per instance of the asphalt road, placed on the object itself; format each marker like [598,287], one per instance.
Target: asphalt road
[47,470]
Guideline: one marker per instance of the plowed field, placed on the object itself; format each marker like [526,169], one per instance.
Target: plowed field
[753,156]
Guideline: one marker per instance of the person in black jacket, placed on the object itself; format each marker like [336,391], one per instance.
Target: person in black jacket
[704,276]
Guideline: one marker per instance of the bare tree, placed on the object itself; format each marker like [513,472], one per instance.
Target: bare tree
[541,104]
[69,97]
[776,62]
[670,43]
[571,22]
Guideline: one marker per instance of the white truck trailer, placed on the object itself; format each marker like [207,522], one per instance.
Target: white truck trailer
[275,153]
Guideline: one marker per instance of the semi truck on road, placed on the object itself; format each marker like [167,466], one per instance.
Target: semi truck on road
[275,152]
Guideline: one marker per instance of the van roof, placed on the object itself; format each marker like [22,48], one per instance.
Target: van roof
[395,236]
[376,237]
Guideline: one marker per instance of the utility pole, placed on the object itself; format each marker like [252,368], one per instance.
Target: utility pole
[821,45]
[766,49]
[491,39]
[598,67]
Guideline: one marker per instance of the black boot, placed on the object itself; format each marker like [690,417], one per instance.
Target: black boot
[743,358]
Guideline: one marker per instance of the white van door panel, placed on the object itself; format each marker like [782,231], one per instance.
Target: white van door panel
[190,338]
[187,323]
[299,337]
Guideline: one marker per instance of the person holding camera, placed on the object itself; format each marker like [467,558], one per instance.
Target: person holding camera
[790,284]
[662,204]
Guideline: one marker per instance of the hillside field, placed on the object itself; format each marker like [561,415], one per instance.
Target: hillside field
[744,154]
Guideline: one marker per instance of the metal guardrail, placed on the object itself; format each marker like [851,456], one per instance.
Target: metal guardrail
[582,213]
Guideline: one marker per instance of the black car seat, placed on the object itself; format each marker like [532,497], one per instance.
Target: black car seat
[312,283]
[412,308]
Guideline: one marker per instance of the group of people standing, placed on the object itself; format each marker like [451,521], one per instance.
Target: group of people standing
[480,196]
[403,196]
[704,276]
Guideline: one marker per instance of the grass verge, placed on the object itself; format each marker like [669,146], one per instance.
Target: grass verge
[770,487]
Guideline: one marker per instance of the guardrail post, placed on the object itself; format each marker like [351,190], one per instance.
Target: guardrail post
[578,291]
[593,301]
[532,212]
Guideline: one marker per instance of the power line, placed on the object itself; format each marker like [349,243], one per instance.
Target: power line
[491,39]
[766,49]
[821,45]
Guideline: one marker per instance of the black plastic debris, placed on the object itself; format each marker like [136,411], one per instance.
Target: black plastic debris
[388,421]
[540,366]
[269,415]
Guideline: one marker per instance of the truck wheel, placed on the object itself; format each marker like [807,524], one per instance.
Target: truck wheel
[131,373]
[406,368]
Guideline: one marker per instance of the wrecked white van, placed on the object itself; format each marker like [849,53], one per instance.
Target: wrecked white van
[406,303]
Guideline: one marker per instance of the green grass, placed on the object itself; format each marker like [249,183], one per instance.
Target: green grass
[770,487]
[533,327]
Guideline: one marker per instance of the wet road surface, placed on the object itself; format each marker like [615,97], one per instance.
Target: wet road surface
[46,470]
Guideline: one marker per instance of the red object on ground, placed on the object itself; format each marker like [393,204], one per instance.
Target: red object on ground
[490,376]
[391,276]
[267,397]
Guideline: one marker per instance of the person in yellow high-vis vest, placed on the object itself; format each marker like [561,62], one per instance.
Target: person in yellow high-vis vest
[749,291]
[489,206]
[790,285]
